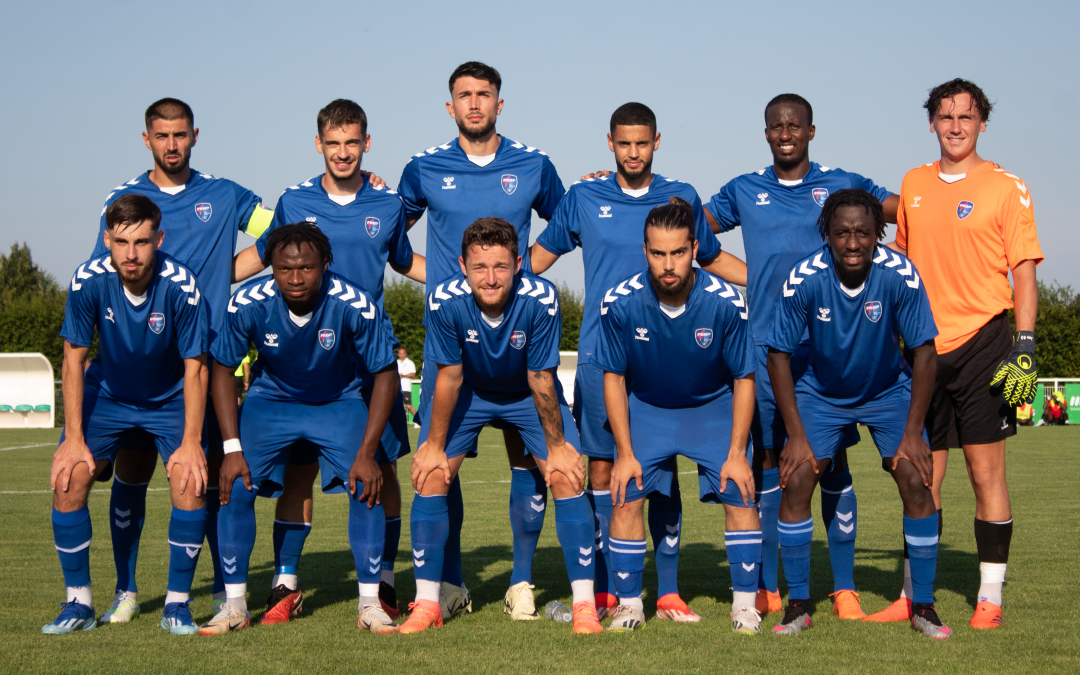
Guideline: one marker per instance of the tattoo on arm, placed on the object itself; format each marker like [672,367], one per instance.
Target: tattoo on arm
[546,400]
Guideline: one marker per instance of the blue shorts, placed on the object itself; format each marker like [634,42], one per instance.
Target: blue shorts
[590,413]
[826,425]
[701,433]
[271,430]
[476,408]
[427,393]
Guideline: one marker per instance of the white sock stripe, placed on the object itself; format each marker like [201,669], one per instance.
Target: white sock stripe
[78,548]
[626,550]
[834,492]
[801,530]
[1000,522]
[389,519]
[176,543]
[769,490]
[737,542]
[290,522]
[122,482]
[921,541]
[566,499]
[628,542]
[590,491]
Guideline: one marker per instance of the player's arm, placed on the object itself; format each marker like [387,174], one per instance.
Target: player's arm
[913,446]
[626,467]
[1025,295]
[540,258]
[737,466]
[73,451]
[223,391]
[364,468]
[714,225]
[728,267]
[431,455]
[797,448]
[562,456]
[189,458]
[890,206]
[247,264]
[415,270]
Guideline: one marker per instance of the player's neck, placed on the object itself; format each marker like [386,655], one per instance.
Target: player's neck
[637,183]
[480,147]
[137,288]
[683,295]
[953,167]
[796,172]
[343,188]
[169,180]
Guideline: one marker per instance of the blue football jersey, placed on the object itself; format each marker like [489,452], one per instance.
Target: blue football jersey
[608,225]
[200,223]
[495,359]
[141,347]
[676,362]
[324,360]
[365,234]
[855,339]
[456,192]
[779,227]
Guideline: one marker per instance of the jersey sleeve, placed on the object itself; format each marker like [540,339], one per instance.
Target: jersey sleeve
[901,218]
[738,344]
[610,354]
[563,232]
[708,244]
[1018,226]
[442,334]
[551,190]
[913,315]
[789,321]
[246,203]
[543,348]
[864,183]
[401,252]
[230,346]
[371,339]
[411,191]
[80,313]
[724,208]
[191,321]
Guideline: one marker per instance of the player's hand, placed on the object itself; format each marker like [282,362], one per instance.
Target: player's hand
[1017,375]
[71,453]
[598,174]
[232,467]
[428,458]
[374,180]
[190,460]
[914,449]
[626,469]
[566,460]
[367,472]
[738,469]
[796,451]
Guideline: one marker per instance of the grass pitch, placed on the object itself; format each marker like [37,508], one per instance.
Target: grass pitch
[1039,634]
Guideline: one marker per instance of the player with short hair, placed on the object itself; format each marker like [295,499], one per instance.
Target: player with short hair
[482,174]
[319,336]
[149,374]
[967,222]
[494,338]
[601,215]
[857,300]
[672,316]
[778,208]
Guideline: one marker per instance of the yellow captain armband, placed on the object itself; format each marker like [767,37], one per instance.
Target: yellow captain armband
[259,221]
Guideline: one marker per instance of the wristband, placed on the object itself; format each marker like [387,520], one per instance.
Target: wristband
[232,445]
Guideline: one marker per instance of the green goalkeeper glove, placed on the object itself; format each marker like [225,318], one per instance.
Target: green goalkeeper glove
[1017,374]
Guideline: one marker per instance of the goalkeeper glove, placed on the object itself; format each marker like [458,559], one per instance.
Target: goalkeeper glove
[1017,375]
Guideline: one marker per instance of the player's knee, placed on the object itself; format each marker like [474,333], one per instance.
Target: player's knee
[561,487]
[918,499]
[600,474]
[72,500]
[189,501]
[800,486]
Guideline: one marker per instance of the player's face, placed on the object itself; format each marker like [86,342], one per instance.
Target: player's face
[670,254]
[852,238]
[789,134]
[474,105]
[633,147]
[298,271]
[171,141]
[343,150]
[957,124]
[132,248]
[490,272]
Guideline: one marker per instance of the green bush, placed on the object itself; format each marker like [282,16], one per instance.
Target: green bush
[404,300]
[1057,332]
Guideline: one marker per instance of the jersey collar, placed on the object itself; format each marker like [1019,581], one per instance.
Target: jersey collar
[456,145]
[613,181]
[322,188]
[700,276]
[770,174]
[195,176]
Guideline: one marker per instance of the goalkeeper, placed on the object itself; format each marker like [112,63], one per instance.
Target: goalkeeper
[966,223]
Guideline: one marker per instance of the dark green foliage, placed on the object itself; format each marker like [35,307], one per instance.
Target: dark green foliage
[31,308]
[403,300]
[572,304]
[1057,332]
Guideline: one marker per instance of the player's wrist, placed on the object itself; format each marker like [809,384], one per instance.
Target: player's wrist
[232,446]
[1024,342]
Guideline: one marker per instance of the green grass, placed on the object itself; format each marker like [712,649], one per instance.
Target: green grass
[1039,633]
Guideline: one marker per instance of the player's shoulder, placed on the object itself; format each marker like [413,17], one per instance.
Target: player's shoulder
[831,174]
[523,151]
[715,290]
[434,154]
[1002,178]
[302,190]
[896,267]
[450,292]
[353,297]
[538,292]
[627,292]
[923,172]
[252,293]
[139,183]
[177,279]
[92,274]
[674,187]
[807,273]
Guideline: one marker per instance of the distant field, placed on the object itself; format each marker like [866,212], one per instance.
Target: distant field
[1039,634]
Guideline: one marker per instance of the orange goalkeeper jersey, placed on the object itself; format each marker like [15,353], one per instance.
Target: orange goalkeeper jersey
[964,236]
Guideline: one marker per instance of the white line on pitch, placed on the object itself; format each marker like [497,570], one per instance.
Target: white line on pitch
[24,447]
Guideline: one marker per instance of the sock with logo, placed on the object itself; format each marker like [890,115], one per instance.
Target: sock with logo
[367,539]
[744,557]
[665,523]
[768,503]
[390,549]
[795,550]
[236,537]
[906,591]
[451,566]
[213,507]
[528,502]
[127,513]
[429,522]
[574,527]
[71,536]
[839,511]
[922,542]
[186,532]
[600,501]
[289,541]
[628,563]
[992,540]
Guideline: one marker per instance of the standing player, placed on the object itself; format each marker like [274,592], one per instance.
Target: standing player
[149,374]
[678,318]
[601,216]
[367,225]
[857,300]
[482,174]
[778,209]
[966,223]
[406,371]
[318,337]
[495,342]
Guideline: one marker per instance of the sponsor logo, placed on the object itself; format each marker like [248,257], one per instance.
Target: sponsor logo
[449,180]
[326,338]
[372,225]
[204,211]
[509,183]
[472,336]
[109,316]
[820,195]
[157,322]
[642,334]
[605,211]
[872,310]
[964,209]
[823,314]
[517,339]
[271,340]
[762,198]
[703,336]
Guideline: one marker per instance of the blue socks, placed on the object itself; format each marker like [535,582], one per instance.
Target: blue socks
[451,564]
[628,563]
[390,548]
[921,536]
[367,537]
[289,541]
[71,535]
[665,521]
[600,501]
[840,513]
[127,512]
[186,532]
[744,558]
[429,523]
[574,526]
[236,533]
[768,503]
[528,501]
[213,506]
[795,550]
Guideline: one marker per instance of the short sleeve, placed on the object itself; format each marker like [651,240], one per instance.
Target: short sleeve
[191,321]
[1018,226]
[563,232]
[542,350]
[411,191]
[246,203]
[708,244]
[913,315]
[864,183]
[371,339]
[789,321]
[901,218]
[738,344]
[551,190]
[610,354]
[230,346]
[442,335]
[401,252]
[724,207]
[80,314]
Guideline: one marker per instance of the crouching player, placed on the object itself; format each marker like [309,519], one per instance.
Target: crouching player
[494,335]
[317,335]
[150,375]
[670,318]
[857,299]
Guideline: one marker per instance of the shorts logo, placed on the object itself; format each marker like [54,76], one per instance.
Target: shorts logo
[642,334]
[509,183]
[157,322]
[204,211]
[820,195]
[703,336]
[472,336]
[517,339]
[964,209]
[326,338]
[823,314]
[873,310]
[372,225]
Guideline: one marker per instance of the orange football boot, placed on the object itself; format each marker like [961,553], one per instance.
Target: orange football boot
[987,615]
[845,605]
[606,604]
[425,614]
[671,606]
[585,618]
[898,611]
[768,602]
[282,605]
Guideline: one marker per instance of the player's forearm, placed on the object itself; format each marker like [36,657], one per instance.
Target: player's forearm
[618,411]
[73,385]
[783,385]
[382,400]
[1025,295]
[223,389]
[541,259]
[246,264]
[890,206]
[923,374]
[714,225]
[546,400]
[742,411]
[415,270]
[729,268]
[195,388]
[410,222]
[447,388]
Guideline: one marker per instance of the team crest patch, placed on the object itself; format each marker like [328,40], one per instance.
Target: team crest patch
[372,225]
[157,322]
[204,211]
[964,209]
[509,183]
[873,310]
[703,336]
[517,339]
[820,195]
[326,338]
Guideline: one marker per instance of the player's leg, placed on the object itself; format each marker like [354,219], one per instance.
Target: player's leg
[665,526]
[993,527]
[395,444]
[293,515]
[132,472]
[528,504]
[215,454]
[768,434]
[840,514]
[742,541]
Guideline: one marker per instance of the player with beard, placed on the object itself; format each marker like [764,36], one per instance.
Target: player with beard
[482,174]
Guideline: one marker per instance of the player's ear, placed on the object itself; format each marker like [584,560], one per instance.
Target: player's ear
[318,144]
[656,142]
[160,238]
[194,136]
[367,143]
[107,237]
[810,136]
[610,143]
[146,140]
[693,250]
[499,107]
[450,109]
[461,261]
[517,267]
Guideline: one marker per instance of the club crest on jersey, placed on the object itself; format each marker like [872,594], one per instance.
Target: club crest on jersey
[372,225]
[509,183]
[703,336]
[517,339]
[873,310]
[820,195]
[964,209]
[326,338]
[157,322]
[204,211]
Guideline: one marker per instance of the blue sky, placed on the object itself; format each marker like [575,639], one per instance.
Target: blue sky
[76,78]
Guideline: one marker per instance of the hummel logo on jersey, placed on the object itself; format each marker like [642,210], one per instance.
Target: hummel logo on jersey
[517,339]
[642,334]
[326,338]
[762,198]
[703,336]
[157,322]
[820,195]
[605,211]
[509,183]
[109,316]
[311,219]
[823,314]
[873,310]
[372,225]
[204,211]
[449,180]
[271,340]
[964,209]
[472,336]
[915,202]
